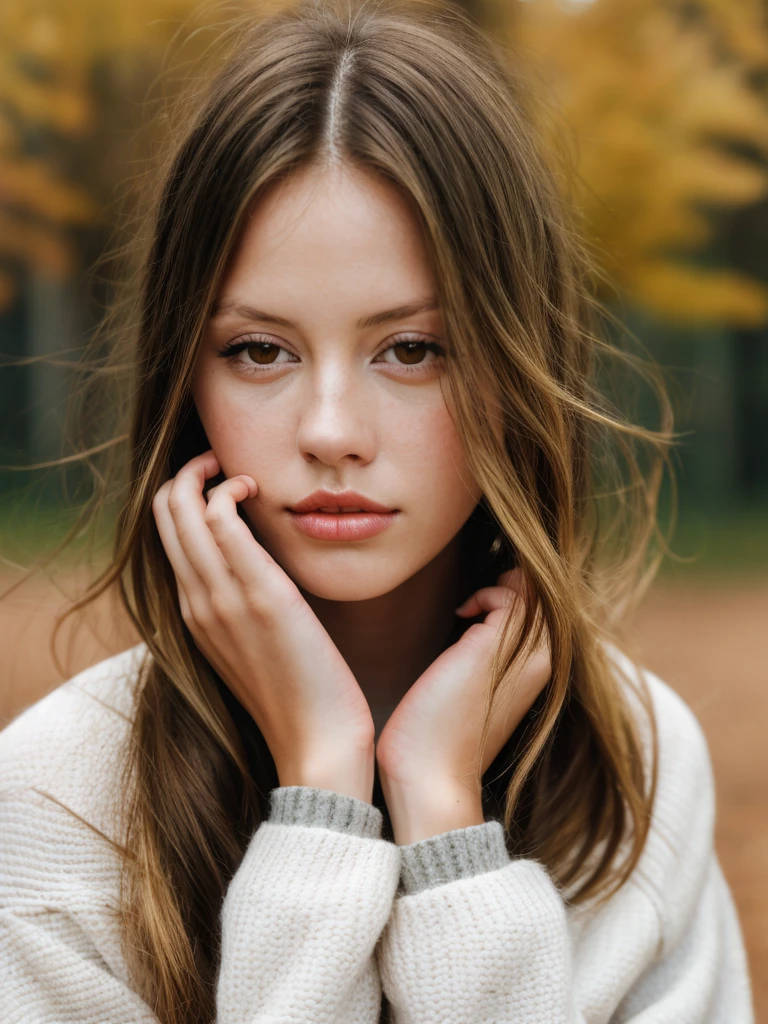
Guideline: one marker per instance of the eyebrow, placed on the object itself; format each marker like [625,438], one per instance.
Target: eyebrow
[374,320]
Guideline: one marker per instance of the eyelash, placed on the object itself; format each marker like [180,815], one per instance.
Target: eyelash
[234,348]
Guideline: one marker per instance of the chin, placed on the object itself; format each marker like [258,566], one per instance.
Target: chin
[351,577]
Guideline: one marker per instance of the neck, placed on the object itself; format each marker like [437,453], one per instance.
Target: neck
[388,641]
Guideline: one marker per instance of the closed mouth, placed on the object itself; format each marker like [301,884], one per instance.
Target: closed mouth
[346,503]
[338,509]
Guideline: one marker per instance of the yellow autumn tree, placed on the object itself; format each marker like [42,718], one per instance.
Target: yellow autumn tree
[651,95]
[36,203]
[655,104]
[48,52]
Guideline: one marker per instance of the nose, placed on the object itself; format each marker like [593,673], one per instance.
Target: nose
[337,419]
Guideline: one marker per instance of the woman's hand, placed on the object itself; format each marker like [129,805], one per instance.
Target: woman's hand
[253,625]
[428,751]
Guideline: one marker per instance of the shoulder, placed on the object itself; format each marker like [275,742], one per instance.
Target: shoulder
[69,744]
[677,856]
[60,866]
[684,764]
[683,748]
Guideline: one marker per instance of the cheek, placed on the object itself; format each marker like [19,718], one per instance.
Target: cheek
[246,436]
[432,454]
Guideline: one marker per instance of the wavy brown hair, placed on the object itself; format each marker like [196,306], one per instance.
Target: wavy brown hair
[417,93]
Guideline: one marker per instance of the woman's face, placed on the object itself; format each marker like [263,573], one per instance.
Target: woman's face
[335,384]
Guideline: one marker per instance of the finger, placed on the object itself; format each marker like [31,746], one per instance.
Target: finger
[247,559]
[187,615]
[496,617]
[487,599]
[253,489]
[184,605]
[186,574]
[187,506]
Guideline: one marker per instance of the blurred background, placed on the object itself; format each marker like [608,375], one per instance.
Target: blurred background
[663,105]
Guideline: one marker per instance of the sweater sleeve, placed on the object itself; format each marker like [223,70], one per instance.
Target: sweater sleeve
[304,912]
[476,936]
[300,918]
[60,957]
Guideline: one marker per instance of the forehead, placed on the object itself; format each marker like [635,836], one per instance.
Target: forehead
[340,230]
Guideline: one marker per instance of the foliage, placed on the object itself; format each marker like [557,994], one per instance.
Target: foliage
[38,94]
[659,106]
[73,78]
[655,97]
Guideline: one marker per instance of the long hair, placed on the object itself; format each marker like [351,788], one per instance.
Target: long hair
[419,94]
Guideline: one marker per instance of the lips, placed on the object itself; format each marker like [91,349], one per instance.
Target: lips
[338,503]
[343,516]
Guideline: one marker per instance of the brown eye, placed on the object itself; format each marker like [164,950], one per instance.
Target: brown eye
[263,352]
[410,351]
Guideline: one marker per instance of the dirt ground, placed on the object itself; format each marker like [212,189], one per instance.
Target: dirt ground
[709,643]
[705,639]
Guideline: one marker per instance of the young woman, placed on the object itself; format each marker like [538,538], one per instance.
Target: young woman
[376,756]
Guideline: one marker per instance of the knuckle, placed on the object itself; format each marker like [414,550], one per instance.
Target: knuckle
[183,605]
[214,514]
[496,617]
[223,608]
[175,501]
[198,613]
[476,635]
[202,621]
[160,498]
[259,603]
[186,611]
[187,617]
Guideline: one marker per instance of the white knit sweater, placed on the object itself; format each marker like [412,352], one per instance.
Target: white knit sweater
[323,912]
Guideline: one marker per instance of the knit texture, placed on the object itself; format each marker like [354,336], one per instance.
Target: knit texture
[322,808]
[457,854]
[460,853]
[323,917]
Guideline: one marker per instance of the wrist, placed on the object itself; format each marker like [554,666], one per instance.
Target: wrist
[350,778]
[420,812]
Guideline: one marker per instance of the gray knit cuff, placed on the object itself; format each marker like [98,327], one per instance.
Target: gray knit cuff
[324,808]
[461,853]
